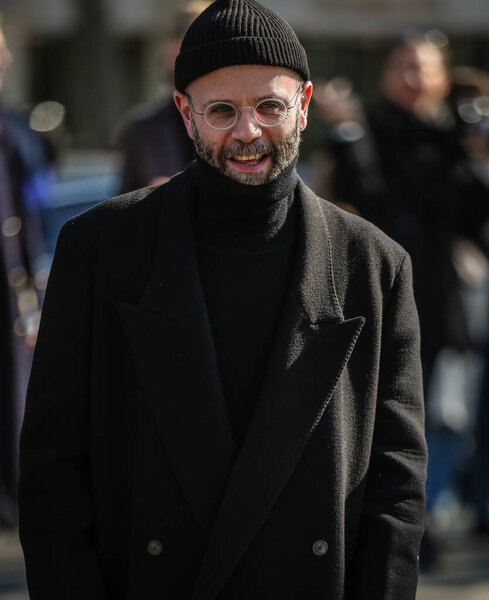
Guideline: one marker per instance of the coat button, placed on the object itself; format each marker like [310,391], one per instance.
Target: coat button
[320,547]
[154,547]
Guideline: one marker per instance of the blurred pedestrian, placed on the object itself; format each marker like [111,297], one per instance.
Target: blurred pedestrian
[477,140]
[155,145]
[22,165]
[400,165]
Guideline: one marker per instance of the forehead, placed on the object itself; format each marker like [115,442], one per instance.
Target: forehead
[241,82]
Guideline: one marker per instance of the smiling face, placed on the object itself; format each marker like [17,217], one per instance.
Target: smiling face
[247,152]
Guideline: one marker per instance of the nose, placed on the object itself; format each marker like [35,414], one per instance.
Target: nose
[246,128]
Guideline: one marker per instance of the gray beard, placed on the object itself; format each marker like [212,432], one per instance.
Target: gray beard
[281,155]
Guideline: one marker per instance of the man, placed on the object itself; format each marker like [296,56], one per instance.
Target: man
[226,398]
[154,143]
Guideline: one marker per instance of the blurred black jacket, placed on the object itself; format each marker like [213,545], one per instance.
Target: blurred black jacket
[154,144]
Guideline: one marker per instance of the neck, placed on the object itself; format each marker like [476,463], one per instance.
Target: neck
[240,216]
[210,181]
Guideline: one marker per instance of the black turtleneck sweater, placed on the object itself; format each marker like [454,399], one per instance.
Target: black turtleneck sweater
[246,239]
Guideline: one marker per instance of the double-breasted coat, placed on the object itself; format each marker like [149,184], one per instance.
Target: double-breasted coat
[131,482]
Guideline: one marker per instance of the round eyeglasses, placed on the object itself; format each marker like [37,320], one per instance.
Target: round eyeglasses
[269,112]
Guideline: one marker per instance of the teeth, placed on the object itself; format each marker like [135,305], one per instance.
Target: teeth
[248,157]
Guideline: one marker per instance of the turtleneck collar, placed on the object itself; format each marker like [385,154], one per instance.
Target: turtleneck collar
[216,187]
[235,215]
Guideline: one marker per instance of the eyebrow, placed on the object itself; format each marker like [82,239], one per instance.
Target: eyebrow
[255,101]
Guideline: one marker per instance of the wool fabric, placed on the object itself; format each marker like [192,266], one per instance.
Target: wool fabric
[238,32]
[246,252]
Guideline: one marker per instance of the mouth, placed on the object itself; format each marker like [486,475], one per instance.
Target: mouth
[249,161]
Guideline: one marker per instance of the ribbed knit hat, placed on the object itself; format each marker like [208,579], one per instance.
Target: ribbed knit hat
[238,32]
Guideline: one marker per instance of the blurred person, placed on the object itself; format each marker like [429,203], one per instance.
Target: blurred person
[477,141]
[155,145]
[226,397]
[469,101]
[400,164]
[22,164]
[468,98]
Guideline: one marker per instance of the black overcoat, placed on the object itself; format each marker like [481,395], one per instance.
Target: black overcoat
[131,483]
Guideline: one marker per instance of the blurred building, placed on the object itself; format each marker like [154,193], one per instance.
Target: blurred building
[100,57]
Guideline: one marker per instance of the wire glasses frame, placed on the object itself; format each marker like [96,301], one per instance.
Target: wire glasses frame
[268,112]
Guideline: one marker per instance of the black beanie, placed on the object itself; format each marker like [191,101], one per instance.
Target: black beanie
[238,32]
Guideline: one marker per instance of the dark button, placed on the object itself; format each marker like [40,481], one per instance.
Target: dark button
[320,547]
[154,547]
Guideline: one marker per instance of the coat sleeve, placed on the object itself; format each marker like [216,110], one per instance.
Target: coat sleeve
[55,504]
[386,560]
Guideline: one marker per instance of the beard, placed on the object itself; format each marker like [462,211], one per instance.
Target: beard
[281,154]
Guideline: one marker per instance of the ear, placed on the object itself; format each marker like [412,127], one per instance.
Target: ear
[183,106]
[305,100]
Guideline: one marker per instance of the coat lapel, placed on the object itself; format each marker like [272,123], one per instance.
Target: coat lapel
[313,346]
[174,354]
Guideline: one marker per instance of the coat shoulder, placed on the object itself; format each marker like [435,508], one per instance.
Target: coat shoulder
[113,217]
[348,228]
[362,256]
[129,215]
[354,234]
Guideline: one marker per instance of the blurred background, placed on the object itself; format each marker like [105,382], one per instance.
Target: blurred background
[398,132]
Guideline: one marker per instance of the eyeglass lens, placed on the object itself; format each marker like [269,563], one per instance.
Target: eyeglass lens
[222,115]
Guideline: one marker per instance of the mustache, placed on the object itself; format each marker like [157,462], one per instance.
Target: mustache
[254,147]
